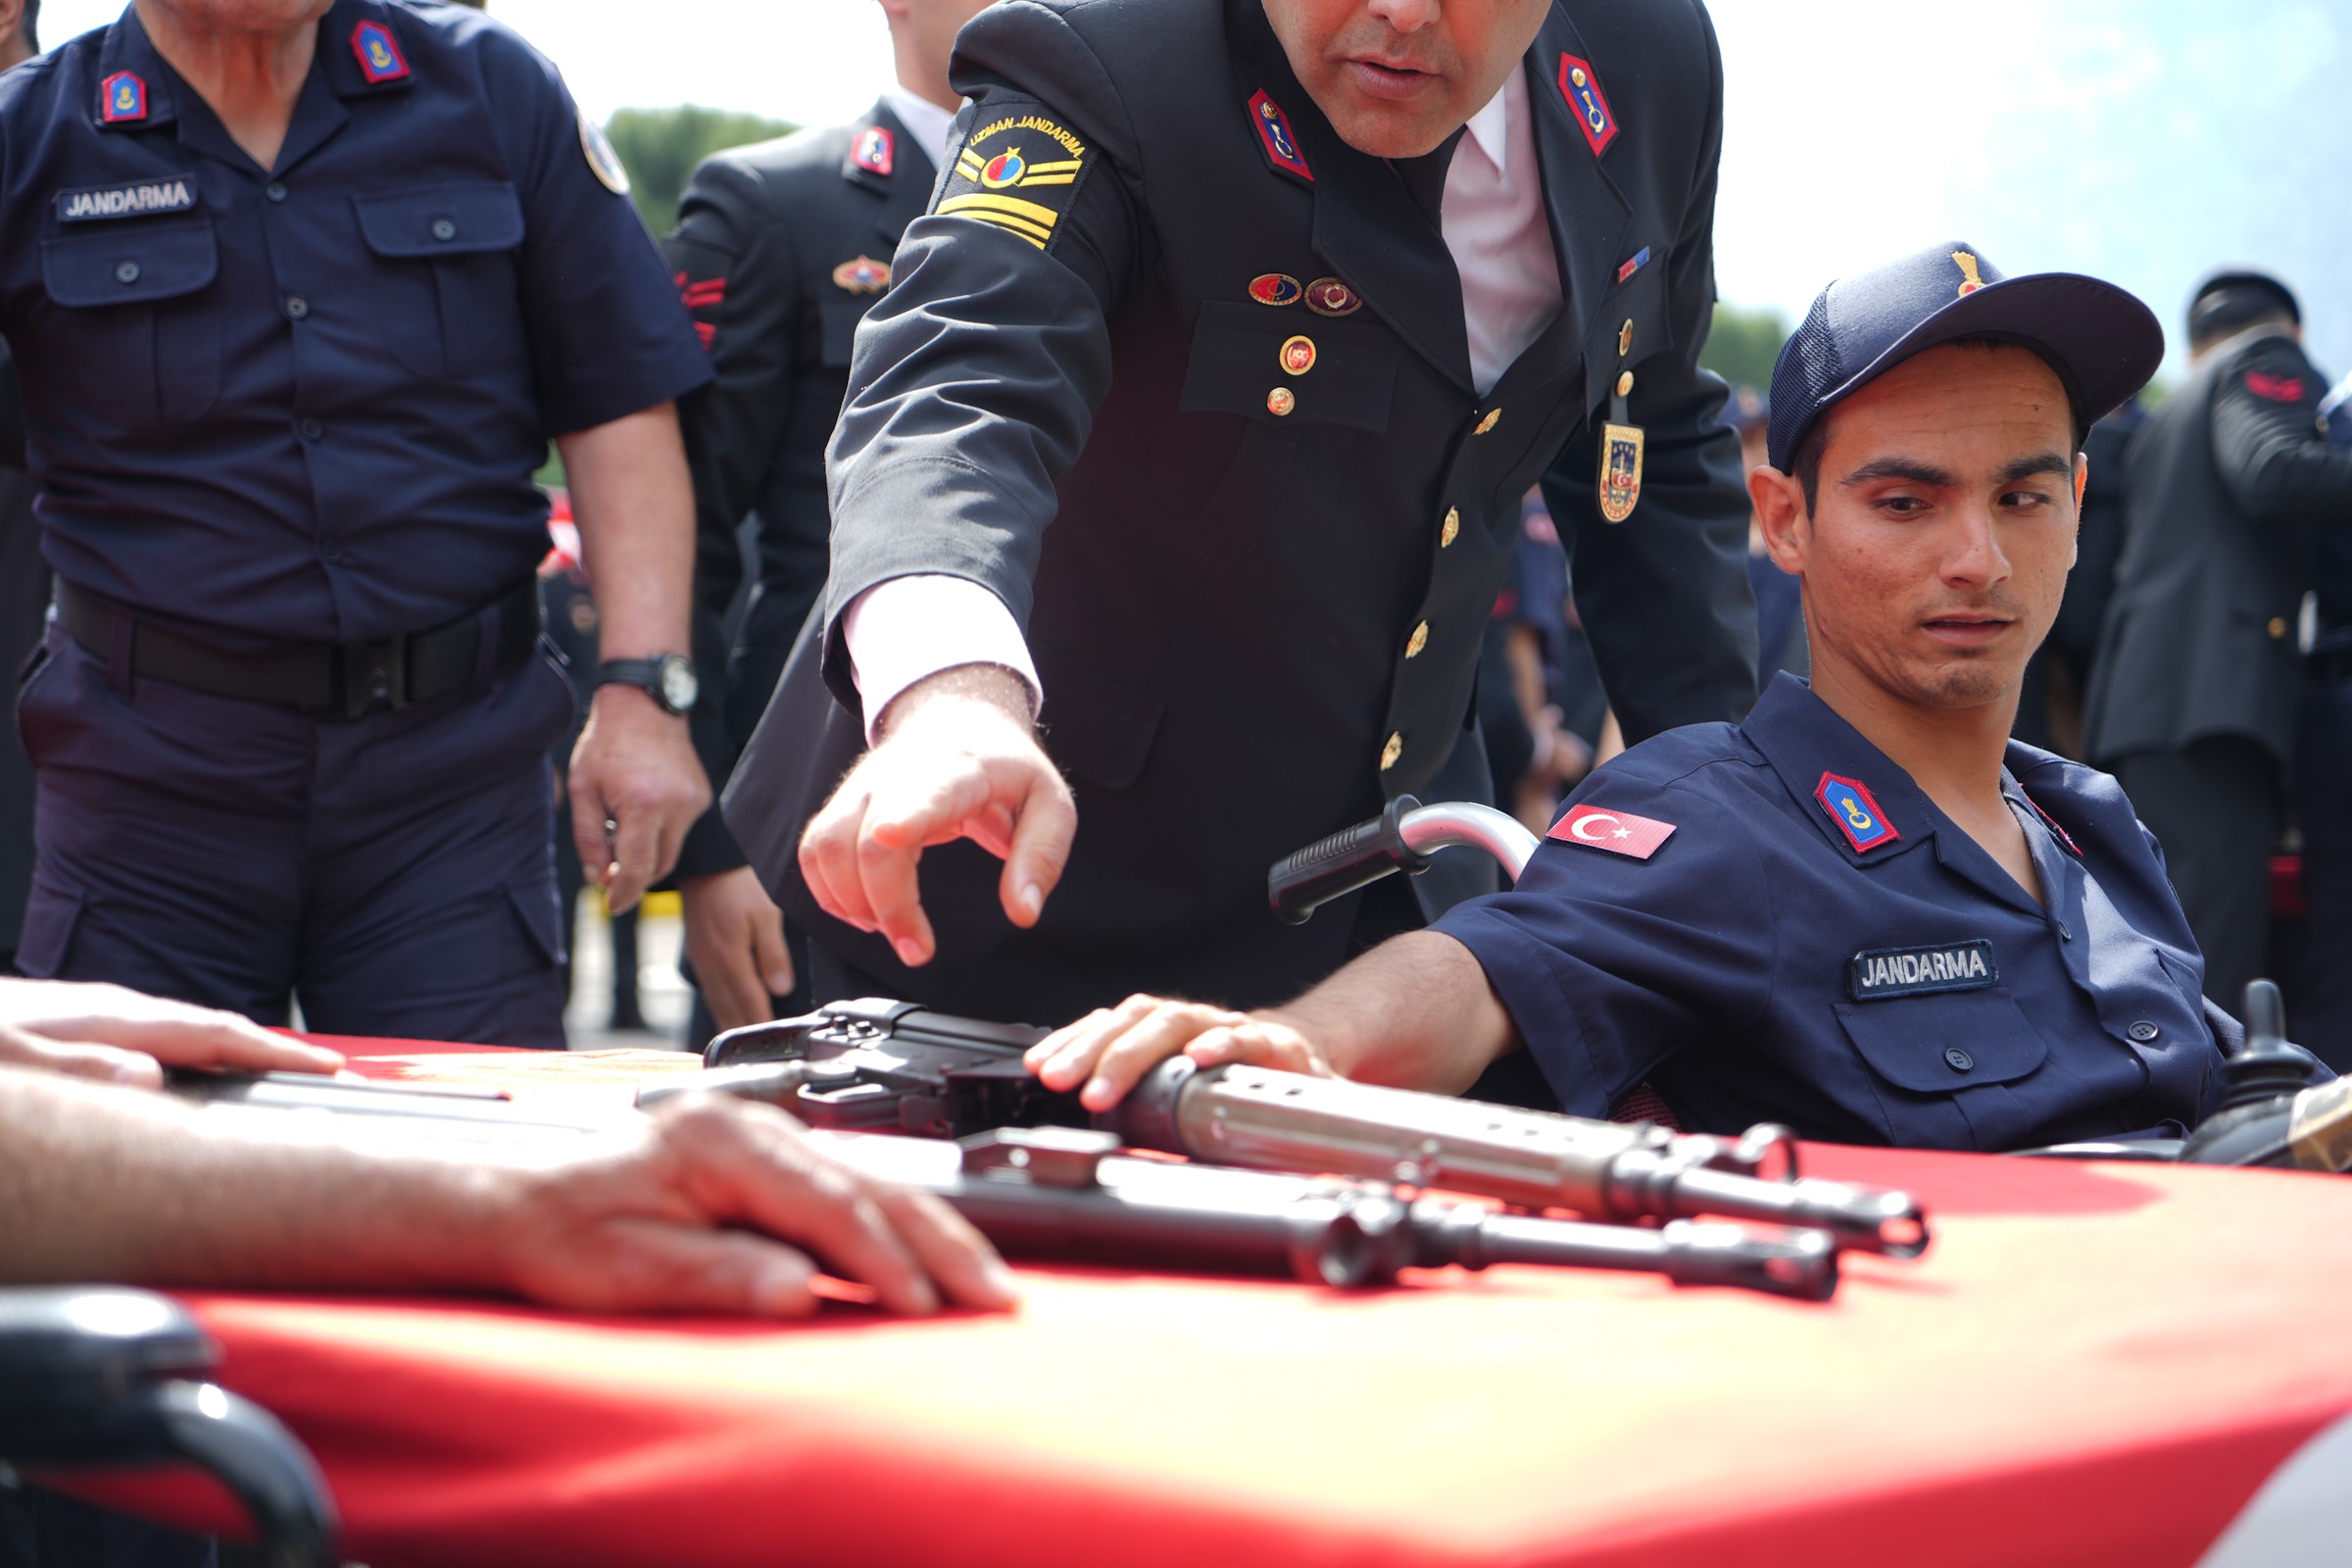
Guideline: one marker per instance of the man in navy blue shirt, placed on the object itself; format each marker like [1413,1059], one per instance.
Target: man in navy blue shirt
[299,292]
[1862,910]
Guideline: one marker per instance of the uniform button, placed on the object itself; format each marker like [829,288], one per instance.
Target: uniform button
[1625,338]
[1960,1059]
[310,429]
[275,190]
[2144,1030]
[1451,526]
[444,229]
[1392,751]
[297,307]
[1281,401]
[1418,641]
[1487,423]
[2277,628]
[335,557]
[127,271]
[1625,382]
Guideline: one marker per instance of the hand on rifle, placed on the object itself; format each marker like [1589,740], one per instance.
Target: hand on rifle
[1109,1049]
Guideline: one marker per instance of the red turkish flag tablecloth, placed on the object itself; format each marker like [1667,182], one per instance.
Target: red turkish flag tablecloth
[2095,1364]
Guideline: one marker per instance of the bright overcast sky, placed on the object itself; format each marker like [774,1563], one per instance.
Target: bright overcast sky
[2143,140]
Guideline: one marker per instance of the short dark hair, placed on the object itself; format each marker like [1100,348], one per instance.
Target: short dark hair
[1805,462]
[2226,307]
[32,25]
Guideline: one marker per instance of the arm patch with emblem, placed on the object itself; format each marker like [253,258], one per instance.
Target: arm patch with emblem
[1019,168]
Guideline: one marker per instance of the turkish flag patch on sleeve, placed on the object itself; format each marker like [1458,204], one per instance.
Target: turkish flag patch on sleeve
[1618,832]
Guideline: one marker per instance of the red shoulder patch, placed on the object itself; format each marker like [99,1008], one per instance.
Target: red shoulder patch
[2276,388]
[1580,86]
[1618,832]
[1274,137]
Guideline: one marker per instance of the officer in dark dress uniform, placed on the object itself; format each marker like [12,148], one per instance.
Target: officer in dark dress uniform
[2322,1014]
[1278,399]
[1864,910]
[2194,691]
[290,723]
[780,250]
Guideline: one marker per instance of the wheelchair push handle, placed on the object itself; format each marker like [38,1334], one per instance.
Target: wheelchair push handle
[1403,838]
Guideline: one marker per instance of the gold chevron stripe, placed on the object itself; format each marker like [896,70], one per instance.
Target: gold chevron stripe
[1012,206]
[1028,231]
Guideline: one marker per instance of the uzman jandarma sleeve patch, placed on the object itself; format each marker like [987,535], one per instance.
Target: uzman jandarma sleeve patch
[1019,169]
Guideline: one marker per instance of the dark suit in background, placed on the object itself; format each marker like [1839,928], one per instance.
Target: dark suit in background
[2194,697]
[2322,1007]
[1256,616]
[780,250]
[2049,706]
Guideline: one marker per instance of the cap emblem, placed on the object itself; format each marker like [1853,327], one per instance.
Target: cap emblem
[1970,282]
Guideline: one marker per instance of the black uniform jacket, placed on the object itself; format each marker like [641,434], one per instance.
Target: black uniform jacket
[2229,483]
[780,250]
[1256,611]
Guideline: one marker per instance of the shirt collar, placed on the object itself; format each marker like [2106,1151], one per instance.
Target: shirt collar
[338,48]
[1491,126]
[1822,760]
[927,124]
[128,48]
[1834,772]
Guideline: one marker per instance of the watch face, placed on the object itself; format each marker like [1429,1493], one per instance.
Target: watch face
[678,684]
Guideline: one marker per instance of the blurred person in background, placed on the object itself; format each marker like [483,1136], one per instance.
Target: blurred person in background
[780,250]
[570,610]
[2322,794]
[2193,693]
[1533,751]
[1779,602]
[2049,709]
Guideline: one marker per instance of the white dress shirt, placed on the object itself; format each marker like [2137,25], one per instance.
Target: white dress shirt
[901,631]
[927,123]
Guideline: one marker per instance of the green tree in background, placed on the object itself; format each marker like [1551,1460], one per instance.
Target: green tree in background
[660,148]
[1744,344]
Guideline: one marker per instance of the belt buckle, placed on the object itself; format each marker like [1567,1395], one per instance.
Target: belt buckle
[375,675]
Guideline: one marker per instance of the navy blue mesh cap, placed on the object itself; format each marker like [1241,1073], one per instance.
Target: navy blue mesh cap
[2103,343]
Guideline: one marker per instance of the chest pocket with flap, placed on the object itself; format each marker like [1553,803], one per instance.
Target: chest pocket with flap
[1944,1042]
[1641,302]
[1237,360]
[137,292]
[444,294]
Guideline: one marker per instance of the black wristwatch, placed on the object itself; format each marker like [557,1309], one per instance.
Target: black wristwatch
[668,681]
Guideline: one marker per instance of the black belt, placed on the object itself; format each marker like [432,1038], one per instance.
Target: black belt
[336,679]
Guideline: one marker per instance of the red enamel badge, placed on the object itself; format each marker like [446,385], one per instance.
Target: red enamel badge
[2277,388]
[876,151]
[1581,90]
[381,59]
[121,97]
[1856,812]
[1274,136]
[1618,832]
